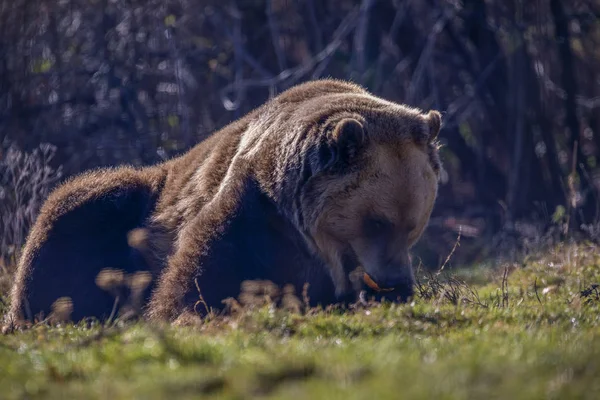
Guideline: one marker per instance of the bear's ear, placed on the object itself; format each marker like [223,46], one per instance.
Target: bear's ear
[346,140]
[434,119]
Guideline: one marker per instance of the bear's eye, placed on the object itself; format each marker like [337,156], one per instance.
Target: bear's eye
[376,226]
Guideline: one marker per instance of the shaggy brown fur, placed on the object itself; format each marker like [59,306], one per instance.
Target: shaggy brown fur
[320,180]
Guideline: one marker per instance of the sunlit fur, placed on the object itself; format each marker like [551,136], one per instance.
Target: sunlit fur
[263,198]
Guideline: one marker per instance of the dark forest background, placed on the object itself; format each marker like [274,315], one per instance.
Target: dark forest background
[89,83]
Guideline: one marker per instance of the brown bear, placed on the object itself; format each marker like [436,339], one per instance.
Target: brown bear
[321,180]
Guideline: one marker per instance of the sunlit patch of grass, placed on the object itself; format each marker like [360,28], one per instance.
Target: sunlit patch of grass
[525,331]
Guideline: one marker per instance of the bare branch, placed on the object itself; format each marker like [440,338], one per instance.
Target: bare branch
[294,74]
[275,36]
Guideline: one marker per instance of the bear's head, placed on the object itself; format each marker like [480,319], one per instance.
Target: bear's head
[375,177]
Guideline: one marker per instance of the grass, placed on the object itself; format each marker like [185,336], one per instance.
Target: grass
[522,332]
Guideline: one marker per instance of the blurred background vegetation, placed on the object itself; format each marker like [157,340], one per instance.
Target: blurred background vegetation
[89,83]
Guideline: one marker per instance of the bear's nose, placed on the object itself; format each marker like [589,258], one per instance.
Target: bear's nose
[394,276]
[394,280]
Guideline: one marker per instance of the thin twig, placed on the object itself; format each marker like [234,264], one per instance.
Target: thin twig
[571,204]
[426,54]
[200,299]
[113,311]
[535,289]
[456,244]
[505,288]
[275,36]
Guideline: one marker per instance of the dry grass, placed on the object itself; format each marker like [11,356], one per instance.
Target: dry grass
[25,182]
